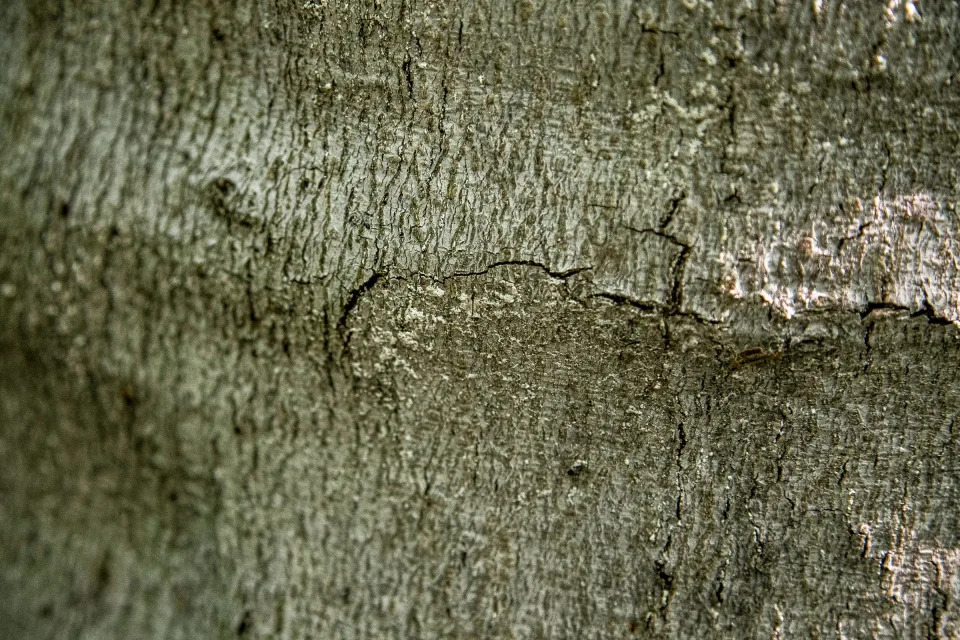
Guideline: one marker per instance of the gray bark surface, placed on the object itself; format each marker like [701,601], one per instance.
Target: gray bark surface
[479,319]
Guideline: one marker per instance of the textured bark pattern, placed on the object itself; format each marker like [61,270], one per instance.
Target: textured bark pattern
[501,319]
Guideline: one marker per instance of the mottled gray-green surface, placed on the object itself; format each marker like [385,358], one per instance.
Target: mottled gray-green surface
[479,319]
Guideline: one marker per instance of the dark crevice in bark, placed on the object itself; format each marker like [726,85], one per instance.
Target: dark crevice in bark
[650,307]
[654,307]
[781,454]
[560,275]
[659,232]
[408,75]
[880,306]
[860,231]
[681,445]
[668,216]
[673,305]
[928,311]
[661,68]
[352,301]
[245,623]
[676,292]
[885,169]
[652,29]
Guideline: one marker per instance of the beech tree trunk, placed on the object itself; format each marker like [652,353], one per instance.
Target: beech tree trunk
[495,319]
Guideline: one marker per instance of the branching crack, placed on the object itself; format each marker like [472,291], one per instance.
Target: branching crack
[675,302]
[861,230]
[875,306]
[928,311]
[660,233]
[672,307]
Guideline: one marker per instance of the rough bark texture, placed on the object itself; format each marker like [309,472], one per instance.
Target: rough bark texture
[479,319]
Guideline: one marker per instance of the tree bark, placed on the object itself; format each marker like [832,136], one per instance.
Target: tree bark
[479,319]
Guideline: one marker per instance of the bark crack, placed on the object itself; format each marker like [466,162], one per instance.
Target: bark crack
[558,275]
[353,299]
[681,445]
[672,307]
[675,301]
[674,206]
